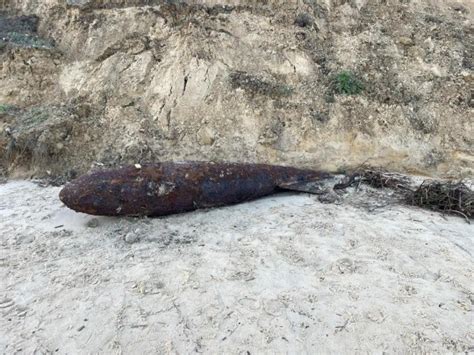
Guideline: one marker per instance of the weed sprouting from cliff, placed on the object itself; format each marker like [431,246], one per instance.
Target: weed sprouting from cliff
[35,116]
[5,108]
[346,83]
[26,40]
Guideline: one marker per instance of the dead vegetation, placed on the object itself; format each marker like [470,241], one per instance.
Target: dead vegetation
[380,178]
[436,195]
[446,197]
[259,85]
[375,177]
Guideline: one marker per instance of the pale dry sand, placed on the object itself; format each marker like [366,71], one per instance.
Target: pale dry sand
[284,274]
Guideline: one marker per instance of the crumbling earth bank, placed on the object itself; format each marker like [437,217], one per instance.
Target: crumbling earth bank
[327,84]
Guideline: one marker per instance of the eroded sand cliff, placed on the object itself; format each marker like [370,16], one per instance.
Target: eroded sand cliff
[327,84]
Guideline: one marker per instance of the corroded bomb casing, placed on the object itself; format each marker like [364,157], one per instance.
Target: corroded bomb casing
[175,187]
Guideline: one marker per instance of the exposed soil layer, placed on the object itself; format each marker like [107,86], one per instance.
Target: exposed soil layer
[318,84]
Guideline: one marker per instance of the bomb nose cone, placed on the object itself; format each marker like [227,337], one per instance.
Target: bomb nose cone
[72,197]
[84,195]
[66,195]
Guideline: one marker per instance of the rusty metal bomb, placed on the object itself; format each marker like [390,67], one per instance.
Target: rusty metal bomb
[175,187]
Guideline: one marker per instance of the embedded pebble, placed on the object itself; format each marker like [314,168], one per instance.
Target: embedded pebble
[93,223]
[131,237]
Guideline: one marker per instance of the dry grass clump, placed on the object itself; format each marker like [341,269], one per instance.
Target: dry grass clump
[446,197]
[442,196]
[375,177]
[380,178]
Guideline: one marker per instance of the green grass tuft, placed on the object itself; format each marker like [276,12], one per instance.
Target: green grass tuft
[35,116]
[4,108]
[25,40]
[346,83]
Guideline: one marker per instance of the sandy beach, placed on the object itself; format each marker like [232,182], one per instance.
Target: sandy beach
[283,274]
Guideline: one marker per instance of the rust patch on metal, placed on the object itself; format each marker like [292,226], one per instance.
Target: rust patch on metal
[170,187]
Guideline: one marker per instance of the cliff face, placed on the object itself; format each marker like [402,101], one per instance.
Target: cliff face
[328,84]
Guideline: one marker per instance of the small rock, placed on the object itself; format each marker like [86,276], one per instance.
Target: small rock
[138,166]
[460,8]
[328,197]
[206,136]
[78,3]
[406,41]
[93,223]
[468,77]
[28,239]
[131,238]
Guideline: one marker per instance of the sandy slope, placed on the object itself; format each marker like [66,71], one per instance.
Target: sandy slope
[282,274]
